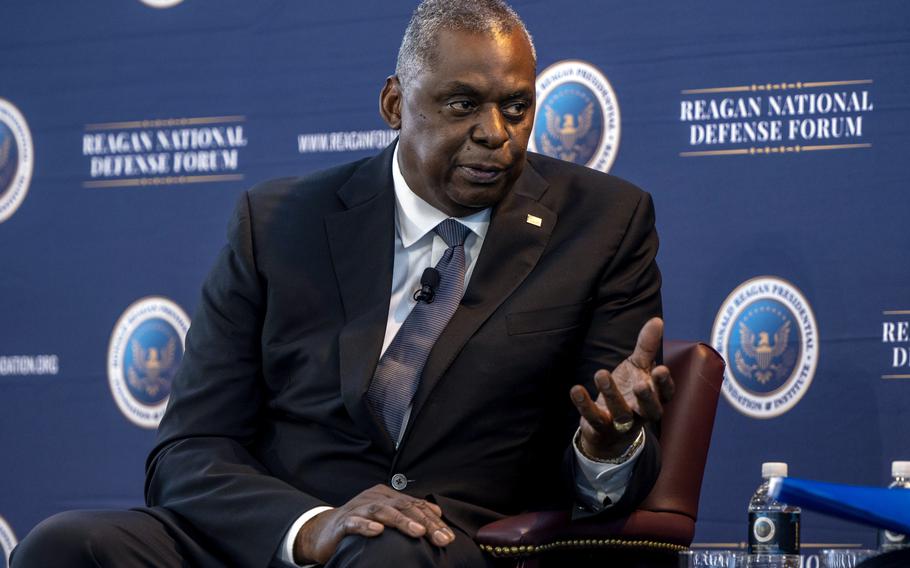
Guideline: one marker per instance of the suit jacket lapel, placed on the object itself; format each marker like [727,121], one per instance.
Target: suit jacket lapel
[362,241]
[510,251]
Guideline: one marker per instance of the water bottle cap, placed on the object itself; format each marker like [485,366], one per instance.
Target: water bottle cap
[900,469]
[773,469]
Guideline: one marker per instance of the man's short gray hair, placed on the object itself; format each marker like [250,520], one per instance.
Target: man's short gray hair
[433,16]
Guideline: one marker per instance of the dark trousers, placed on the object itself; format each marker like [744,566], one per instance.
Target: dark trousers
[143,538]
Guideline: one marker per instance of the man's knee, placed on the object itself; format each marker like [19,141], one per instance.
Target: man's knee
[391,548]
[97,538]
[66,539]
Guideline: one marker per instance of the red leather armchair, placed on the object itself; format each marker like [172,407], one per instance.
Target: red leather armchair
[664,523]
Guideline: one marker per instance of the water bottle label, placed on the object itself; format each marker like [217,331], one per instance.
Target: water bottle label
[773,533]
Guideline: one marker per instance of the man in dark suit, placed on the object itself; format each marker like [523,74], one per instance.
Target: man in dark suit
[285,439]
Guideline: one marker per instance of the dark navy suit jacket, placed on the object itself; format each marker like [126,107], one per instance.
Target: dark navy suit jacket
[267,417]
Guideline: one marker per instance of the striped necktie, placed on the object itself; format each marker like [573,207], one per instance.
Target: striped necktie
[398,372]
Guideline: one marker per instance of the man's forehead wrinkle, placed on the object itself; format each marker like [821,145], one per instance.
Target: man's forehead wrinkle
[456,86]
[478,76]
[480,83]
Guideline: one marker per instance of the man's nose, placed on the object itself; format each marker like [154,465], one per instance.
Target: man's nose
[491,127]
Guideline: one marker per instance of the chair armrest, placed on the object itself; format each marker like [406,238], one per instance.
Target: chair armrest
[665,521]
[532,533]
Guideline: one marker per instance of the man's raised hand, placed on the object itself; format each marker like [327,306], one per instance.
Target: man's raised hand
[631,396]
[368,514]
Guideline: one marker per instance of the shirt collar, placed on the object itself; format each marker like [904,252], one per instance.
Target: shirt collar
[416,217]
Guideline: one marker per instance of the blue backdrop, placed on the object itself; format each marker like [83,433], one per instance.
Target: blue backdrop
[773,136]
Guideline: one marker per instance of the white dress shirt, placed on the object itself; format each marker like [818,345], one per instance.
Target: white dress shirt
[417,247]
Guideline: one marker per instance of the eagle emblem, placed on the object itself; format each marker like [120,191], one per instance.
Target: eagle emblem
[771,359]
[150,367]
[568,129]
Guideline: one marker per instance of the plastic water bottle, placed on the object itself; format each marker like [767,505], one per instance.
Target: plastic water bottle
[773,526]
[900,477]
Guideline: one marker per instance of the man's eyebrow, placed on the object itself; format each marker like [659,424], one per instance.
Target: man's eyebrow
[520,93]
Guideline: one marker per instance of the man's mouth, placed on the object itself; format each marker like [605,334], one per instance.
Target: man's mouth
[482,173]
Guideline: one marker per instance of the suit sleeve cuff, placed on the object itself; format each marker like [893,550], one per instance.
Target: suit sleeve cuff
[286,550]
[599,485]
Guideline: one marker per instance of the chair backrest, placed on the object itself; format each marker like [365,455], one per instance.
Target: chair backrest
[698,371]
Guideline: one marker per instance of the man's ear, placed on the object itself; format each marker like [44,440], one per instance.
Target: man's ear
[390,101]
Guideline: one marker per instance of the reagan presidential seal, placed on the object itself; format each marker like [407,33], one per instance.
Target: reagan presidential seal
[16,159]
[144,352]
[767,333]
[577,116]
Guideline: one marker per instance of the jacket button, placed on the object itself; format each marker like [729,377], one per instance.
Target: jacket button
[399,481]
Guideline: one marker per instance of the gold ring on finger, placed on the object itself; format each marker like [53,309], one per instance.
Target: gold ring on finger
[623,427]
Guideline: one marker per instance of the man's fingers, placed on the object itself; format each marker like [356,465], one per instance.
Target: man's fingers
[649,340]
[421,512]
[413,517]
[362,526]
[622,416]
[649,406]
[392,517]
[433,507]
[594,415]
[665,385]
